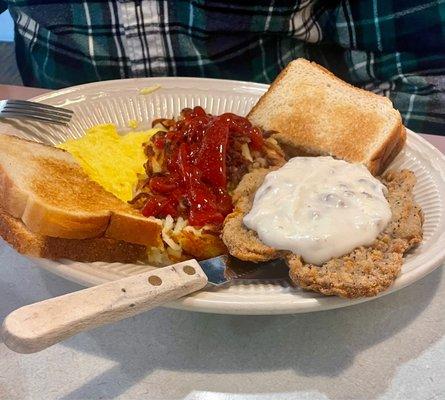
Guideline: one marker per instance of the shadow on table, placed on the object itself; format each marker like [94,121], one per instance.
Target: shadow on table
[322,344]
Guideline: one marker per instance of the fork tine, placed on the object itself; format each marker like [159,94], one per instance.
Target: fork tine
[43,114]
[28,114]
[37,111]
[15,108]
[33,116]
[55,120]
[54,110]
[38,105]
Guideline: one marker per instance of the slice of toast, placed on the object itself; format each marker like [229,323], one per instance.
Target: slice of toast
[14,231]
[316,113]
[48,190]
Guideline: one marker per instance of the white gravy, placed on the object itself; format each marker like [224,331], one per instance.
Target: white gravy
[319,208]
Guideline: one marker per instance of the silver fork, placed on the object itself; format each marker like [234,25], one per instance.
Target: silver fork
[36,111]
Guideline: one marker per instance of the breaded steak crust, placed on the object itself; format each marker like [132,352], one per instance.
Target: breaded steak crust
[242,242]
[364,272]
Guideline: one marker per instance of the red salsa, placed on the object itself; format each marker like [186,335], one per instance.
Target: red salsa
[193,182]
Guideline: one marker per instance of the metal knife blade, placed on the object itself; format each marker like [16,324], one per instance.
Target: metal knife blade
[225,268]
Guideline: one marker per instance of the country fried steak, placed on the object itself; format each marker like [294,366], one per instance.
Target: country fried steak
[242,242]
[364,272]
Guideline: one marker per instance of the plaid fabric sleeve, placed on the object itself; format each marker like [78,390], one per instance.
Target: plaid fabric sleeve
[393,48]
[68,43]
[390,47]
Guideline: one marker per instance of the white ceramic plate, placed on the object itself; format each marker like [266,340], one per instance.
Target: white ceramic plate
[120,101]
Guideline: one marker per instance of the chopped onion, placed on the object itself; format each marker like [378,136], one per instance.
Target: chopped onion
[245,151]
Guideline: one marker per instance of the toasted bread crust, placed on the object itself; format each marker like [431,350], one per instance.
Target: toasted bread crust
[41,218]
[56,198]
[286,70]
[13,231]
[392,147]
[11,198]
[294,145]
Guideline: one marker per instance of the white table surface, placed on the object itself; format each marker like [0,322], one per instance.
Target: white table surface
[388,348]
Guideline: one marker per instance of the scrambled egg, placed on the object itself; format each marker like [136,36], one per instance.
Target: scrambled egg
[112,160]
[149,89]
[133,124]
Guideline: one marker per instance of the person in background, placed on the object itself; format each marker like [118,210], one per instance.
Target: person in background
[395,48]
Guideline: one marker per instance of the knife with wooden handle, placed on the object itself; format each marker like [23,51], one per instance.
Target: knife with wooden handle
[35,327]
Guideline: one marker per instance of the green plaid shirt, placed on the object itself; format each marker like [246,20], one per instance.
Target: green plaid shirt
[396,48]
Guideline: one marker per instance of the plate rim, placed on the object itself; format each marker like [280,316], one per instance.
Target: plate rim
[155,80]
[193,302]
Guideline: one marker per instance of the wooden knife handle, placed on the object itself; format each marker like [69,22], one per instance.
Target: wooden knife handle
[37,326]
